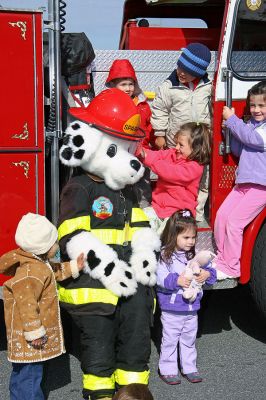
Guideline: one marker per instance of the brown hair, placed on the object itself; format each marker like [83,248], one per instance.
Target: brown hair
[134,391]
[178,223]
[259,88]
[199,140]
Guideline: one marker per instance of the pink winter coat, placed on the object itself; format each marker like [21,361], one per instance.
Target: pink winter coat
[178,182]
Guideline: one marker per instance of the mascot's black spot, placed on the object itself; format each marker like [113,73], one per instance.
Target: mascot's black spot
[78,140]
[111,151]
[75,126]
[135,164]
[66,140]
[93,261]
[128,275]
[123,284]
[157,255]
[67,153]
[79,154]
[148,274]
[108,270]
[145,263]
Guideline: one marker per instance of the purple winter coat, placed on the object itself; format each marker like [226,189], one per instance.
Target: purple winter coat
[169,292]
[248,142]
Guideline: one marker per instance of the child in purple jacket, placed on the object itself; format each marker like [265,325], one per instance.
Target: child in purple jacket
[179,316]
[248,197]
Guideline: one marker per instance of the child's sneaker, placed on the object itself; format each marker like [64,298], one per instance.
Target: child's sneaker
[194,377]
[170,379]
[222,276]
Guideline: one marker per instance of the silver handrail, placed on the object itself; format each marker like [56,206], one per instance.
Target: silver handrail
[228,99]
[55,88]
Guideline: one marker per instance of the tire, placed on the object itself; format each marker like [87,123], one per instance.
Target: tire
[258,271]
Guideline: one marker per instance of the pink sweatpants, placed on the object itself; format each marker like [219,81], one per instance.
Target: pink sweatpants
[240,207]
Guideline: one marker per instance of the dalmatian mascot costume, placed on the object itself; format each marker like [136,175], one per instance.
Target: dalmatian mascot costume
[112,300]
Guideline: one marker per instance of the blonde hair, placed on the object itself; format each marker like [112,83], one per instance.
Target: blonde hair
[199,140]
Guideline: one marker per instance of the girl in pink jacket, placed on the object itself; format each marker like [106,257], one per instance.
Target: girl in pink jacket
[179,172]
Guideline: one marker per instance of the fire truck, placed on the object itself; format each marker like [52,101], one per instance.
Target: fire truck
[153,34]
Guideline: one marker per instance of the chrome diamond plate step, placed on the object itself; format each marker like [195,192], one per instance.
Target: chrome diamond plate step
[225,284]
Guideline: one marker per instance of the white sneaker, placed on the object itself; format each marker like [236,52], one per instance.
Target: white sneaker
[221,276]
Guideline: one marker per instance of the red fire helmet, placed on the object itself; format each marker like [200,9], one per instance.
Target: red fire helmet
[113,112]
[121,69]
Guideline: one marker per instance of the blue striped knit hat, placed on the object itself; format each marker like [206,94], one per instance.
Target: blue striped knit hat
[195,59]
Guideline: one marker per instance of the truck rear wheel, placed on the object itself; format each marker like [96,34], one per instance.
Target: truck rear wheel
[258,271]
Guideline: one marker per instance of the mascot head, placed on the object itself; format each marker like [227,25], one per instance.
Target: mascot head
[103,139]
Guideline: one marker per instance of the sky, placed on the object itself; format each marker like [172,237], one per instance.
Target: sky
[99,19]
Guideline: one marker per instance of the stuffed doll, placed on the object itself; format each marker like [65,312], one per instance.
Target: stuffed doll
[112,301]
[192,269]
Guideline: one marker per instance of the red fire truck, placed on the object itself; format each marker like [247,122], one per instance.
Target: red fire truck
[152,35]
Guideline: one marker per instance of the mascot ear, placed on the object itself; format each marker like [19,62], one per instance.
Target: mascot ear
[79,143]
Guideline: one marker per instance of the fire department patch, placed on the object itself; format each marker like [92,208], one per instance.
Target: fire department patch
[253,5]
[102,207]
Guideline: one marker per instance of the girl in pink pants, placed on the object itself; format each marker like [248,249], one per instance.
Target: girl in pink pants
[248,197]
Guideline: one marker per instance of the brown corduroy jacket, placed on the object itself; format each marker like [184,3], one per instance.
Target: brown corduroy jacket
[31,305]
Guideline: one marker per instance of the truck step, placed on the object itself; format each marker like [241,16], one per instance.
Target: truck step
[225,284]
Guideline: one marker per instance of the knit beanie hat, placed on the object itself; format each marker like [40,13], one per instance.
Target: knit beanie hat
[195,59]
[35,234]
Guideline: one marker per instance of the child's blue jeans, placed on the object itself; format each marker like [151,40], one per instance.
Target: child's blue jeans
[25,381]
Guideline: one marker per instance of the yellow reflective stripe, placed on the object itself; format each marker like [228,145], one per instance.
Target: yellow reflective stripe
[93,382]
[86,295]
[154,305]
[115,236]
[138,215]
[123,377]
[107,236]
[73,224]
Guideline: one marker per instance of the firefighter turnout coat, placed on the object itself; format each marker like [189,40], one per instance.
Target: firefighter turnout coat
[115,332]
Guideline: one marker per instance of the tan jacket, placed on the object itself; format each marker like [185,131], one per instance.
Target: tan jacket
[176,104]
[31,305]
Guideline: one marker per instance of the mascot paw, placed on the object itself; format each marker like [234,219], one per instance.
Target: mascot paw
[144,267]
[119,278]
[146,239]
[92,260]
[102,263]
[115,276]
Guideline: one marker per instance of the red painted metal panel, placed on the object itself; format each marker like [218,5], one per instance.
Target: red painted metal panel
[153,38]
[21,176]
[250,236]
[18,171]
[223,167]
[18,79]
[22,123]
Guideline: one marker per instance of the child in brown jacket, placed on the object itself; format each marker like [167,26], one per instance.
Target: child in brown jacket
[32,314]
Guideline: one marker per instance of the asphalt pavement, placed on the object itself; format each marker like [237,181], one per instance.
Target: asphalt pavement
[231,355]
